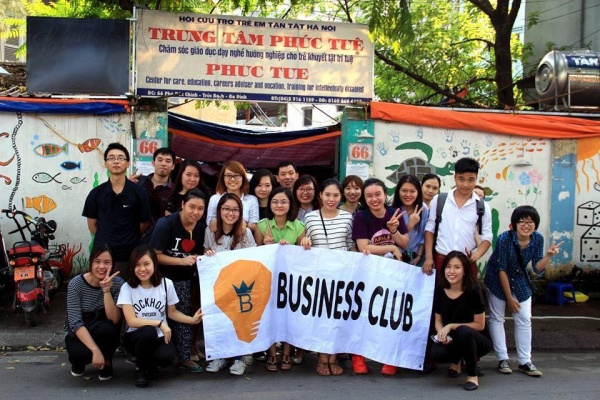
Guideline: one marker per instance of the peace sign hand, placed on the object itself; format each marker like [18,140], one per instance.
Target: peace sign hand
[415,217]
[107,282]
[394,221]
[553,249]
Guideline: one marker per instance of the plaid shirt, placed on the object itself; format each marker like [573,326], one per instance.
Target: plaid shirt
[158,197]
[505,259]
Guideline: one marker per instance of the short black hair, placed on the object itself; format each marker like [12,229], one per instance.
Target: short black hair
[524,212]
[286,163]
[99,249]
[466,164]
[164,151]
[116,146]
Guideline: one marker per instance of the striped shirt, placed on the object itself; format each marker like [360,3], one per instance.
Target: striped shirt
[83,298]
[337,233]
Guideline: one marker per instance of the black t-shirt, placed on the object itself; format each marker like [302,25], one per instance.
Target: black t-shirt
[119,216]
[459,310]
[173,240]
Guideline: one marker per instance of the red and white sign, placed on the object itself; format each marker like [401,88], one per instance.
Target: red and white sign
[147,147]
[252,59]
[360,152]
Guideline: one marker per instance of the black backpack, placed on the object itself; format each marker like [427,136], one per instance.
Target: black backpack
[441,202]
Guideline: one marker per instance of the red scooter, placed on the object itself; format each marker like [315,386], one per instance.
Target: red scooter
[35,279]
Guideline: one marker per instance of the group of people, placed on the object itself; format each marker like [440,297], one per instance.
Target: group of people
[154,287]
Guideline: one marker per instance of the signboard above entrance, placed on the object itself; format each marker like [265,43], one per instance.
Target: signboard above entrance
[211,57]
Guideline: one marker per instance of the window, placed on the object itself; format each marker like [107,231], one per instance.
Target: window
[308,116]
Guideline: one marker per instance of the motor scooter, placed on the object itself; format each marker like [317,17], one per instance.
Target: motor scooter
[35,280]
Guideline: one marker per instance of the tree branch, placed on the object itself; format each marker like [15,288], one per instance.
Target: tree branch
[487,42]
[422,80]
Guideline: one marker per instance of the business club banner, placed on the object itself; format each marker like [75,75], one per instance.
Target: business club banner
[322,300]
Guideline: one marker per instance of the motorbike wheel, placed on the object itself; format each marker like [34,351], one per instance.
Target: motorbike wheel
[31,317]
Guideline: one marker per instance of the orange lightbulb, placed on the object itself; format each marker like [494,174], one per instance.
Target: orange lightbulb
[242,291]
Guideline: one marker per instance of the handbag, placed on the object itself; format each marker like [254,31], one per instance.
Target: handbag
[534,290]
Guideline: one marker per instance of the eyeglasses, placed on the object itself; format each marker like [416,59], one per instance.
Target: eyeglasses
[228,210]
[526,223]
[113,159]
[278,202]
[229,177]
[306,190]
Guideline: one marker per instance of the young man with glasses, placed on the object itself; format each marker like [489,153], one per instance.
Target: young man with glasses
[508,286]
[117,210]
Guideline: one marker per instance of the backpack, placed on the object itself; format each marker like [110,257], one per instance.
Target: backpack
[440,207]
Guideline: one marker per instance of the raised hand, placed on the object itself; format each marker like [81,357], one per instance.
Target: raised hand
[394,221]
[553,249]
[107,282]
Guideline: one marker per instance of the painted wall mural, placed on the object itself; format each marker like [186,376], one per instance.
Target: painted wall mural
[588,201]
[514,169]
[48,165]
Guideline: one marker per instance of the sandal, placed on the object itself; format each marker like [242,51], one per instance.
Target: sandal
[298,357]
[272,364]
[323,369]
[335,369]
[286,363]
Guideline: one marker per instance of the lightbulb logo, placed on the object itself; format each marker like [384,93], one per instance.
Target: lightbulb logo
[243,304]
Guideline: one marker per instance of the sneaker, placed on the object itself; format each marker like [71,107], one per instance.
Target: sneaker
[530,370]
[106,373]
[504,367]
[248,359]
[388,370]
[76,371]
[358,365]
[260,356]
[140,379]
[237,368]
[216,365]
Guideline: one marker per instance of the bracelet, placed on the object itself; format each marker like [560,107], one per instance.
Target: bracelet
[159,324]
[393,233]
[419,255]
[108,291]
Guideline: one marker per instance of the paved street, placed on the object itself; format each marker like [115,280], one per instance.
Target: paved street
[45,374]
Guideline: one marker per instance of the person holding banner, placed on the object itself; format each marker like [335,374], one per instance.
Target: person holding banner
[147,300]
[378,230]
[408,198]
[329,228]
[178,240]
[231,234]
[459,312]
[280,226]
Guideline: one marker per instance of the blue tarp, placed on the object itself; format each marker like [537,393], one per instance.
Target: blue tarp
[62,106]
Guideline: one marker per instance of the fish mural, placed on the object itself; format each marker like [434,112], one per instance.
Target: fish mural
[43,204]
[69,165]
[51,150]
[66,187]
[43,177]
[89,145]
[77,179]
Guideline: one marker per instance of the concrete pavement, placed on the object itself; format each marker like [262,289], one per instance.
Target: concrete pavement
[570,327]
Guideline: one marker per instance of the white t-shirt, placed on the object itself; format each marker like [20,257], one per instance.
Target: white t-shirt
[148,303]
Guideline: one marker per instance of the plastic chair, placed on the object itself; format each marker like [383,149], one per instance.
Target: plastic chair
[555,293]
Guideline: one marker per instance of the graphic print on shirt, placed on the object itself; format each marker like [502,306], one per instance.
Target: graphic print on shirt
[149,308]
[382,237]
[187,245]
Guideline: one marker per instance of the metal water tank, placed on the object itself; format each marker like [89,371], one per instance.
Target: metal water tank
[569,79]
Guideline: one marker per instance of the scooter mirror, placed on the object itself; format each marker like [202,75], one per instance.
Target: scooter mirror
[51,225]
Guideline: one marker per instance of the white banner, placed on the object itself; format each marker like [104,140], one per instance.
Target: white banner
[322,300]
[224,57]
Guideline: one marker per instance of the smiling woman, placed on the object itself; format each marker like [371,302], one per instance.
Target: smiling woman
[178,240]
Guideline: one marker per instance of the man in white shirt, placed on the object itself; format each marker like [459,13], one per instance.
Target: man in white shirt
[459,221]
